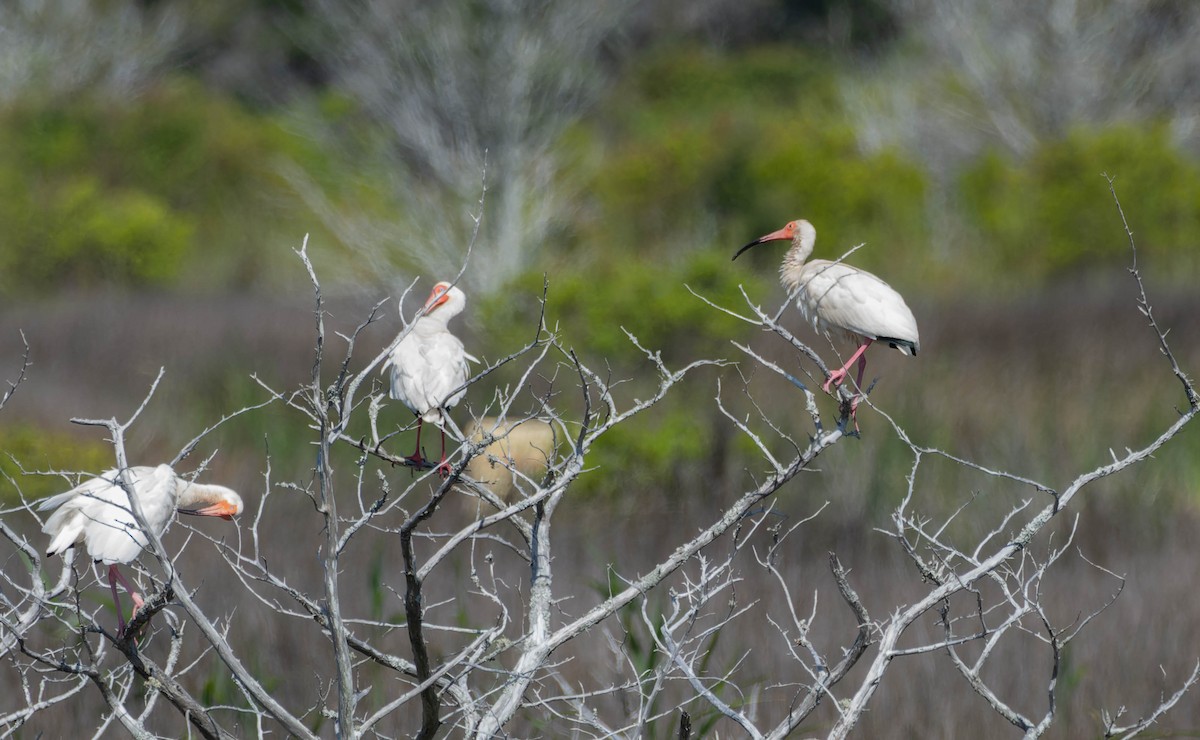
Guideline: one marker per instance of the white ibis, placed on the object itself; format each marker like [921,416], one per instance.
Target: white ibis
[429,366]
[97,513]
[842,300]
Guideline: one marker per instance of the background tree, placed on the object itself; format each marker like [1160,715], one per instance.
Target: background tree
[456,89]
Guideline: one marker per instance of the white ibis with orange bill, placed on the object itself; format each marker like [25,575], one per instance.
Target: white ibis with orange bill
[429,366]
[98,513]
[842,301]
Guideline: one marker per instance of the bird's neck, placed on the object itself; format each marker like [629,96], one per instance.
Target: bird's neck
[193,494]
[793,264]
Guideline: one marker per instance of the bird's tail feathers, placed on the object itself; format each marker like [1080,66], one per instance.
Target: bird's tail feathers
[906,346]
[66,533]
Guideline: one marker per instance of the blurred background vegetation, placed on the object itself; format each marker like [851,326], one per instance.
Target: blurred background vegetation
[186,147]
[169,149]
[162,160]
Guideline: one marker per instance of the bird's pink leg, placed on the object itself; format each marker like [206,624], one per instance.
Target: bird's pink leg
[114,575]
[862,366]
[837,376]
[416,458]
[112,582]
[443,469]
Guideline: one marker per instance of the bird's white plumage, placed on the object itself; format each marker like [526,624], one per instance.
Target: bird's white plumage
[836,296]
[97,512]
[842,301]
[430,363]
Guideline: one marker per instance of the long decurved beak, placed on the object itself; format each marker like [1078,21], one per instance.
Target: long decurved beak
[756,242]
[222,509]
[773,236]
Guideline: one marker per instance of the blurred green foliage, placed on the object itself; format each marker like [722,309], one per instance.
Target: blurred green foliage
[594,309]
[649,301]
[138,192]
[694,153]
[38,450]
[703,150]
[1053,213]
[699,150]
[694,150]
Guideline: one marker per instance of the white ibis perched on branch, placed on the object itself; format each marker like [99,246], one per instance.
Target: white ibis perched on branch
[98,513]
[842,300]
[429,366]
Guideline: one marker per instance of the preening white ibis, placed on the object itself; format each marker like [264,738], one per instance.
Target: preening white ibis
[429,366]
[842,300]
[97,513]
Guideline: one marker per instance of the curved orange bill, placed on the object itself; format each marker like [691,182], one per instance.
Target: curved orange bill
[223,509]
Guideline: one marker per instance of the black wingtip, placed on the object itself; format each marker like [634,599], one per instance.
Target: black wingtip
[901,344]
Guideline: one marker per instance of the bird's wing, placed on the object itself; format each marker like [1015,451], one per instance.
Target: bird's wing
[446,361]
[92,512]
[97,512]
[844,297]
[59,499]
[65,525]
[407,363]
[114,536]
[426,368]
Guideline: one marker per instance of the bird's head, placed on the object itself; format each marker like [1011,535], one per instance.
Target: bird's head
[800,233]
[445,298]
[210,500]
